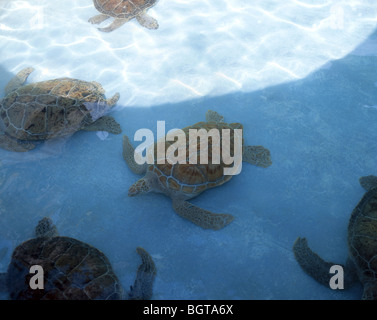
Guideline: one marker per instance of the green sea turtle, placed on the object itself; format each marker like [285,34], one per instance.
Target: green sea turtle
[362,246]
[52,109]
[123,11]
[72,270]
[184,181]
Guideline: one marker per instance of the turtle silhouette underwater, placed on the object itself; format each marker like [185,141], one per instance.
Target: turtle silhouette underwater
[52,109]
[361,264]
[72,270]
[184,181]
[123,11]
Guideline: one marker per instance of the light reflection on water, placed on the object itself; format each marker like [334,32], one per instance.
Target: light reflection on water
[200,49]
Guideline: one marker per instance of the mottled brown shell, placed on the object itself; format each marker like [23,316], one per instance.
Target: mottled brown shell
[189,178]
[123,8]
[48,109]
[73,270]
[362,236]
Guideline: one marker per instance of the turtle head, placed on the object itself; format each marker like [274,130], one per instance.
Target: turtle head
[46,228]
[141,186]
[368,182]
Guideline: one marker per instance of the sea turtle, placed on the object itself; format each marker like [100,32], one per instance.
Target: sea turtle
[183,181]
[123,11]
[362,246]
[51,109]
[72,270]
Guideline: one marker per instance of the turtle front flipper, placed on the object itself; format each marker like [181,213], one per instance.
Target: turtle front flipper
[368,182]
[202,218]
[98,18]
[113,100]
[312,263]
[257,155]
[105,123]
[139,187]
[114,25]
[143,285]
[12,144]
[147,21]
[350,272]
[18,80]
[129,157]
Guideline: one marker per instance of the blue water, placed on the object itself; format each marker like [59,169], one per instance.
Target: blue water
[304,86]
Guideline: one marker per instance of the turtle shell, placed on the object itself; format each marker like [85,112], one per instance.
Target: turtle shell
[362,237]
[190,179]
[123,8]
[73,270]
[53,108]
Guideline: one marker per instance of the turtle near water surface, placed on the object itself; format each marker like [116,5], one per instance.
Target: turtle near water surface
[362,247]
[72,270]
[182,182]
[52,109]
[123,11]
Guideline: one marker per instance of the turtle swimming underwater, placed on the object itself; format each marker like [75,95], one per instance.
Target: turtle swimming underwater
[72,270]
[362,246]
[51,109]
[185,181]
[123,11]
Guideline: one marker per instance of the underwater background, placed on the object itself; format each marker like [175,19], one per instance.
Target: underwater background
[301,76]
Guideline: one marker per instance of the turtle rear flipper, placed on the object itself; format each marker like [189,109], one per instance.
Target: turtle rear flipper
[368,182]
[11,144]
[257,155]
[18,80]
[203,218]
[312,263]
[143,285]
[105,123]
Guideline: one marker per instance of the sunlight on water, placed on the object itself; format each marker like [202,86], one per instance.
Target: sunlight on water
[201,48]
